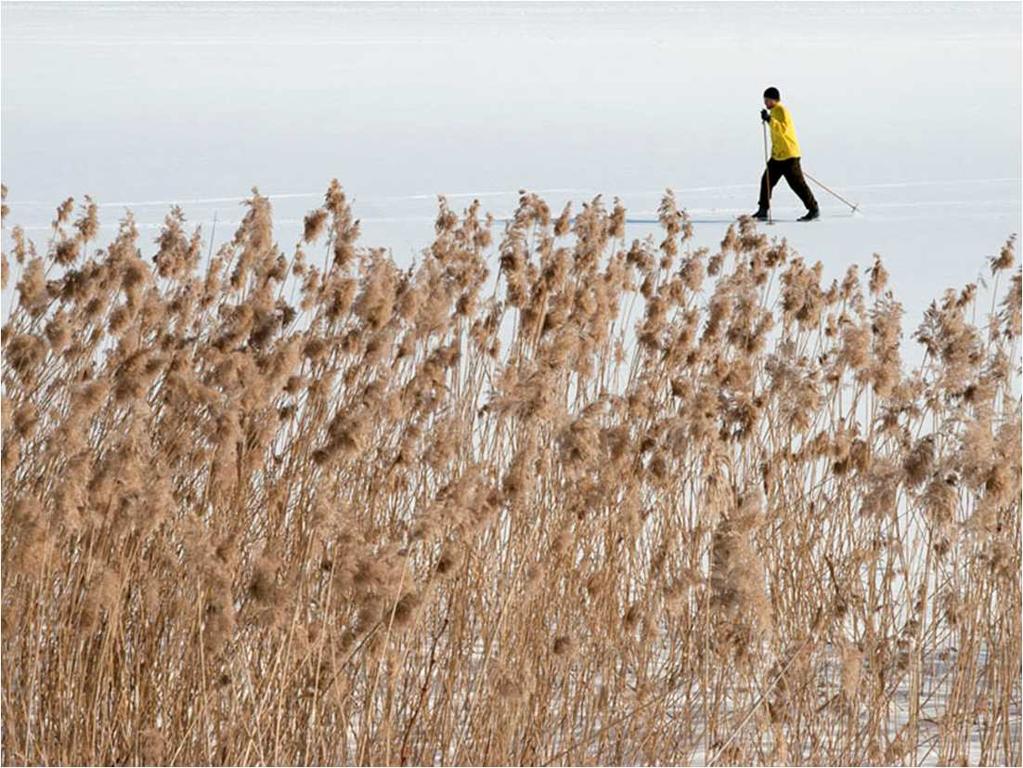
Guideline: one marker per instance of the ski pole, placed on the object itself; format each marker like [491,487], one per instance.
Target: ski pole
[767,174]
[854,206]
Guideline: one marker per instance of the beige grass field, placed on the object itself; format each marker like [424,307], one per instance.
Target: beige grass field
[550,496]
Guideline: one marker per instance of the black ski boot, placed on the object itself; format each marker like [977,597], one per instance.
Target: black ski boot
[760,215]
[810,215]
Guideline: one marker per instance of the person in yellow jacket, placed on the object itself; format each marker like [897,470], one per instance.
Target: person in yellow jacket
[784,160]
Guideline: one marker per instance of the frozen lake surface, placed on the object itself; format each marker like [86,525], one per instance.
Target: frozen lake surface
[912,110]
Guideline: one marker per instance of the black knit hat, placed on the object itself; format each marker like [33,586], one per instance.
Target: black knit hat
[772,93]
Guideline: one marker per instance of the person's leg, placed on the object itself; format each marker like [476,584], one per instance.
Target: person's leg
[795,179]
[772,174]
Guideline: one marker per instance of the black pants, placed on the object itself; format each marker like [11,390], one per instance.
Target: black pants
[793,174]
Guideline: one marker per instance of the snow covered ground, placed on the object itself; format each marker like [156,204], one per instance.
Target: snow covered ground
[912,110]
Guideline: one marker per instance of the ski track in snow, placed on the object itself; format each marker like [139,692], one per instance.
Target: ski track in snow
[553,190]
[642,218]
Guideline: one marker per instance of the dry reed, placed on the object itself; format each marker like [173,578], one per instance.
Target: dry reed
[617,502]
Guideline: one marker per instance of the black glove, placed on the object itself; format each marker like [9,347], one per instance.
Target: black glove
[765,115]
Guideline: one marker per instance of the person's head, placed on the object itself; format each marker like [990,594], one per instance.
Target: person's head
[771,97]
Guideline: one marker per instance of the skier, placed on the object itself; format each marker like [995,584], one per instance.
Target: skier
[784,158]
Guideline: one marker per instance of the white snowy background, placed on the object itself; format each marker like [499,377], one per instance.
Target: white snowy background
[912,110]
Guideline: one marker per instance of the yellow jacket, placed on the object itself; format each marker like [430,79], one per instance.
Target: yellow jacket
[783,134]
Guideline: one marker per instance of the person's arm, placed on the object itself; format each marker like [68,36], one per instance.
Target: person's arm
[780,115]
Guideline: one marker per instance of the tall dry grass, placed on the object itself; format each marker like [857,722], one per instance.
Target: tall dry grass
[614,502]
